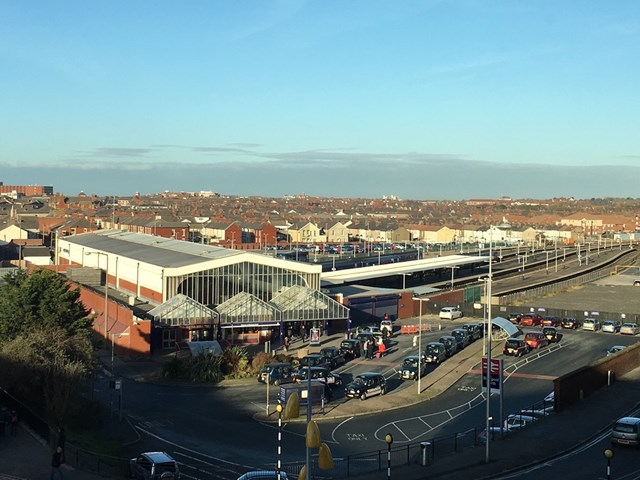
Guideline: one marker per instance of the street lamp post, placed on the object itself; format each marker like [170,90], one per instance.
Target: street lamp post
[389,439]
[420,342]
[489,333]
[106,301]
[608,454]
[453,269]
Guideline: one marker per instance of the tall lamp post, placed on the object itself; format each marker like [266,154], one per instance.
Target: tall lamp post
[106,300]
[489,333]
[420,342]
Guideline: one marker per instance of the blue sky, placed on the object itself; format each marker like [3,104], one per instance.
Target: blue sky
[421,99]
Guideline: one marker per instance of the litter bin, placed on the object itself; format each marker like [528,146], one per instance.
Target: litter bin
[425,453]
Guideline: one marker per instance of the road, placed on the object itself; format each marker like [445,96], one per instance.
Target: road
[212,433]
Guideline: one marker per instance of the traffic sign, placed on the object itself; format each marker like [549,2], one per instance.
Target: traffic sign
[496,374]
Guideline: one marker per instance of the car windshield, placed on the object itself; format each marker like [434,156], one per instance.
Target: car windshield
[360,381]
[457,333]
[531,335]
[346,344]
[432,349]
[512,344]
[629,325]
[165,467]
[410,362]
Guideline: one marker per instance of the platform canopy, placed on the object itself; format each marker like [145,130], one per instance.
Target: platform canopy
[506,326]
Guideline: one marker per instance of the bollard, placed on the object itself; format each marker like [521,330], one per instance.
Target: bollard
[424,450]
[415,341]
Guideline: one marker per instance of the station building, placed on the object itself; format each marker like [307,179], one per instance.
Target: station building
[149,292]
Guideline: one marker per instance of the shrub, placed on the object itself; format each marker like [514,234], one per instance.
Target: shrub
[206,369]
[175,368]
[234,361]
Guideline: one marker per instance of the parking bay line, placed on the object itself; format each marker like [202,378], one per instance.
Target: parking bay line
[532,376]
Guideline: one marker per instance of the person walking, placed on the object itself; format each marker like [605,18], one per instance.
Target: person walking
[303,332]
[370,348]
[285,343]
[56,461]
[14,423]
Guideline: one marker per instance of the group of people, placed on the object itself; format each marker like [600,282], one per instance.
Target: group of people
[372,349]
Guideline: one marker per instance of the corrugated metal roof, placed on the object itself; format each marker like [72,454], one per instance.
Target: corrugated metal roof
[163,252]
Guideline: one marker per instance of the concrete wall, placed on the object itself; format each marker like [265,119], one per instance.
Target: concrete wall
[577,385]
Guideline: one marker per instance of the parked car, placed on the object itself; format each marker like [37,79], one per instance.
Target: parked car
[409,368]
[626,431]
[536,339]
[450,343]
[495,432]
[516,347]
[629,329]
[276,373]
[636,283]
[335,356]
[462,336]
[373,329]
[550,321]
[450,313]
[570,323]
[151,466]
[435,352]
[386,326]
[551,333]
[517,420]
[615,349]
[474,329]
[264,475]
[611,326]
[530,320]
[591,324]
[366,385]
[351,348]
[321,374]
[315,360]
[514,317]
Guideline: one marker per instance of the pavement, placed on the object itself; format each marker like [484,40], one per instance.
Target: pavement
[28,457]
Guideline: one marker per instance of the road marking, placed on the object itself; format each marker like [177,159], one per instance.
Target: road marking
[333,433]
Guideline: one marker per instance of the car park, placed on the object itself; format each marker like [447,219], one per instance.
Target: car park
[366,385]
[351,348]
[474,329]
[450,343]
[334,355]
[152,466]
[551,333]
[516,347]
[550,321]
[626,431]
[530,320]
[277,373]
[264,475]
[462,336]
[629,328]
[570,323]
[435,352]
[314,360]
[450,313]
[321,374]
[591,324]
[611,326]
[536,340]
[615,349]
[408,370]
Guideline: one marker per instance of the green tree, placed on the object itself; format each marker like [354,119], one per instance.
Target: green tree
[42,299]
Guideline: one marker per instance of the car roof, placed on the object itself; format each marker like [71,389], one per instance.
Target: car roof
[435,343]
[369,374]
[259,474]
[513,339]
[159,457]
[411,357]
[629,420]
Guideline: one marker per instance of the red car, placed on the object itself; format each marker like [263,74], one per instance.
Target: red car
[530,320]
[536,340]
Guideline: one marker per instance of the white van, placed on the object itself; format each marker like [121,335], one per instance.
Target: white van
[450,313]
[626,431]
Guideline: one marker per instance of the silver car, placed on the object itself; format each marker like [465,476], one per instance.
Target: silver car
[591,324]
[152,466]
[629,329]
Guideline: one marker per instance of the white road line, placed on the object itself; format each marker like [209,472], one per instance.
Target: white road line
[333,433]
[422,419]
